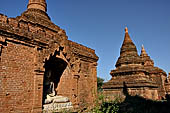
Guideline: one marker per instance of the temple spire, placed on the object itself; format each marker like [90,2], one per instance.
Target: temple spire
[128,52]
[147,61]
[127,44]
[37,4]
[127,38]
[143,52]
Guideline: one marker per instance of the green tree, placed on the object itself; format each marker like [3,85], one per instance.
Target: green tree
[99,84]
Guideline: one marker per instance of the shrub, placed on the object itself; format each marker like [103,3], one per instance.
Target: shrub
[103,106]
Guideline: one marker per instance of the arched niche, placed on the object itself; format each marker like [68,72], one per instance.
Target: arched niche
[54,69]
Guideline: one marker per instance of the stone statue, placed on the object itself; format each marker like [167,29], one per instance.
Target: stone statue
[52,89]
[49,87]
[52,101]
[49,84]
[50,92]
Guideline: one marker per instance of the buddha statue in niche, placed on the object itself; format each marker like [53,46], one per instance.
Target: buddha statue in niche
[49,84]
[50,92]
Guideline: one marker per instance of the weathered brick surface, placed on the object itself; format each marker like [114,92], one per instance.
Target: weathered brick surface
[17,78]
[27,44]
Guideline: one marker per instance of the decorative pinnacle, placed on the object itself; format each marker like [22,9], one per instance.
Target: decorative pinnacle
[126,30]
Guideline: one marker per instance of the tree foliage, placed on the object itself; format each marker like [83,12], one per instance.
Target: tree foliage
[99,84]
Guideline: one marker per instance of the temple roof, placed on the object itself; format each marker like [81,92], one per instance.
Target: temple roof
[128,52]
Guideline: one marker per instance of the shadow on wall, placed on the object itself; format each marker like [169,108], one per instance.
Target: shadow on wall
[137,104]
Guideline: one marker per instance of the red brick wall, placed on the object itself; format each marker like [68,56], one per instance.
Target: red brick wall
[16,78]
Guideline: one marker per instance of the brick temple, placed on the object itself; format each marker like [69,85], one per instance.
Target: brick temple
[137,73]
[40,67]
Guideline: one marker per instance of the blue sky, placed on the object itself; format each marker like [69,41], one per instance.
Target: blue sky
[99,24]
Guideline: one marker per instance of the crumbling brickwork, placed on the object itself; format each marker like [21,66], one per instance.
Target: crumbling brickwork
[30,45]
